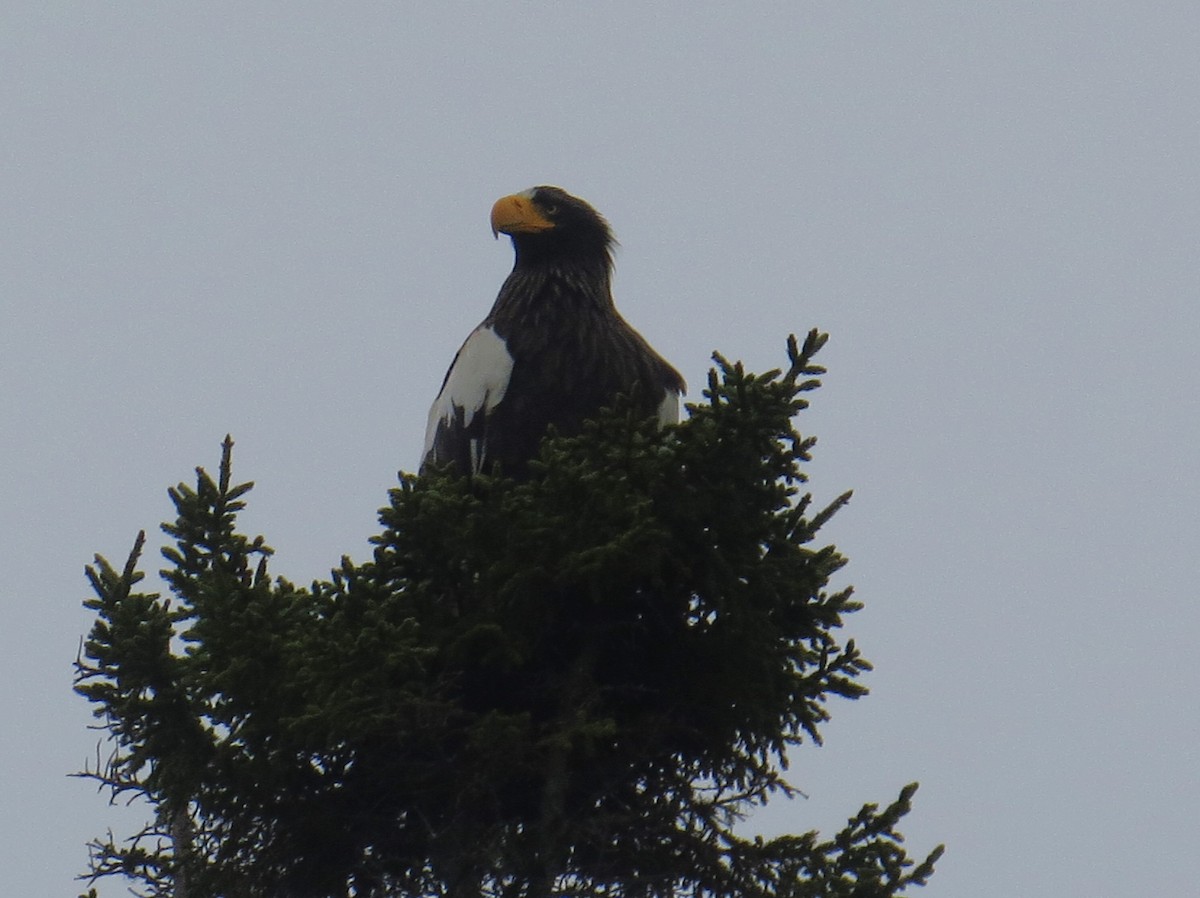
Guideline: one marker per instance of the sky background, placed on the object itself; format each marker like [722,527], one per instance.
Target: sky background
[273,221]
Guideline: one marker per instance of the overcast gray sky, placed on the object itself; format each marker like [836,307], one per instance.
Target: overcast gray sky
[273,221]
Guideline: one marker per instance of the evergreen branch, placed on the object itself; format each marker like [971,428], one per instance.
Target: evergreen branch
[579,684]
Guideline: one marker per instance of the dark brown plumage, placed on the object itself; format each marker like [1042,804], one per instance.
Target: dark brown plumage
[553,349]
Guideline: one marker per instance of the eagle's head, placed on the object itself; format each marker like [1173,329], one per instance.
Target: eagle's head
[548,224]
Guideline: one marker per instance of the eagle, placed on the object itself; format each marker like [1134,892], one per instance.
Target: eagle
[553,350]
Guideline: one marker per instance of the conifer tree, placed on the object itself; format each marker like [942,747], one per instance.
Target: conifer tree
[575,684]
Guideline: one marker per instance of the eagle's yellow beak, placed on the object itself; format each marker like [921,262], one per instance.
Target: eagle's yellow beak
[516,214]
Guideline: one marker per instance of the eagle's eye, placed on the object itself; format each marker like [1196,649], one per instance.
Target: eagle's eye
[550,209]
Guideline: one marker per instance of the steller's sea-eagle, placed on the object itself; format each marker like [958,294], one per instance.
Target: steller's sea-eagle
[552,351]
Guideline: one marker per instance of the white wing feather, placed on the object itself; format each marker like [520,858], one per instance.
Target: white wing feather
[477,381]
[668,409]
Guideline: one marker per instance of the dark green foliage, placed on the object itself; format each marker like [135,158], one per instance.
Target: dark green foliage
[571,685]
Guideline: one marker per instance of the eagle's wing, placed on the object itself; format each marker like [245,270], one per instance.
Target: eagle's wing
[458,421]
[668,409]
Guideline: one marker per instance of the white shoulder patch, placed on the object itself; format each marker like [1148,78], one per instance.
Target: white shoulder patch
[668,409]
[476,382]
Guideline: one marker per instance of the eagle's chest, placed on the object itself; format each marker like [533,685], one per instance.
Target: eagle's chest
[561,366]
